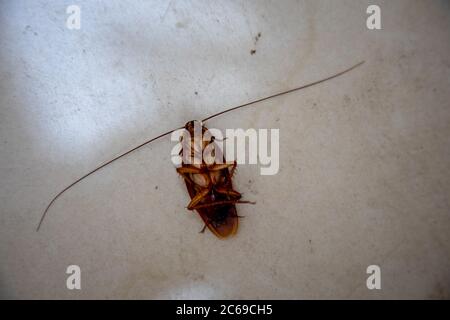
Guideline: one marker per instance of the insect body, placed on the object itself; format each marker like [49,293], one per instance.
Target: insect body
[210,187]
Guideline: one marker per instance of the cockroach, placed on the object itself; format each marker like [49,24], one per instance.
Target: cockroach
[209,186]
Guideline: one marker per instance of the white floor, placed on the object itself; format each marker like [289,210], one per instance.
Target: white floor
[364,159]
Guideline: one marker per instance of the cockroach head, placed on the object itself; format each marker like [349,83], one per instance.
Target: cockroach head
[190,125]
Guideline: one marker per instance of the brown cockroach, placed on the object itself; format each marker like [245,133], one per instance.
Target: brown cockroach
[209,186]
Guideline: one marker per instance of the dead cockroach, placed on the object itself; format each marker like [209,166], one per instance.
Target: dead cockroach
[209,186]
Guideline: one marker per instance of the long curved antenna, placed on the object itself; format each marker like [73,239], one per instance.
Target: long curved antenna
[285,92]
[169,132]
[95,170]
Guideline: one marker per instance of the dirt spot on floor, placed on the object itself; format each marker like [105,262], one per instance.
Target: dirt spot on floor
[255,41]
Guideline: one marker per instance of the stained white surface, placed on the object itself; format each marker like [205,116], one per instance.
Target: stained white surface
[364,159]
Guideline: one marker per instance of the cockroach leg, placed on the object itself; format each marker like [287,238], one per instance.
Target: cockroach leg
[203,229]
[218,167]
[198,197]
[229,192]
[186,170]
[233,169]
[219,203]
[215,139]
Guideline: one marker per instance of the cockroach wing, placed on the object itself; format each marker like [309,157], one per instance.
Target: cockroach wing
[222,220]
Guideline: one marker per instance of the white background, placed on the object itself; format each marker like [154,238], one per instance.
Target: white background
[364,159]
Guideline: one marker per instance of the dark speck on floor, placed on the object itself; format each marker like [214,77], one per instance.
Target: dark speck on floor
[257,37]
[253,51]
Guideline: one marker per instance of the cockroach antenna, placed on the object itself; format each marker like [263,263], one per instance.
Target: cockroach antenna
[169,132]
